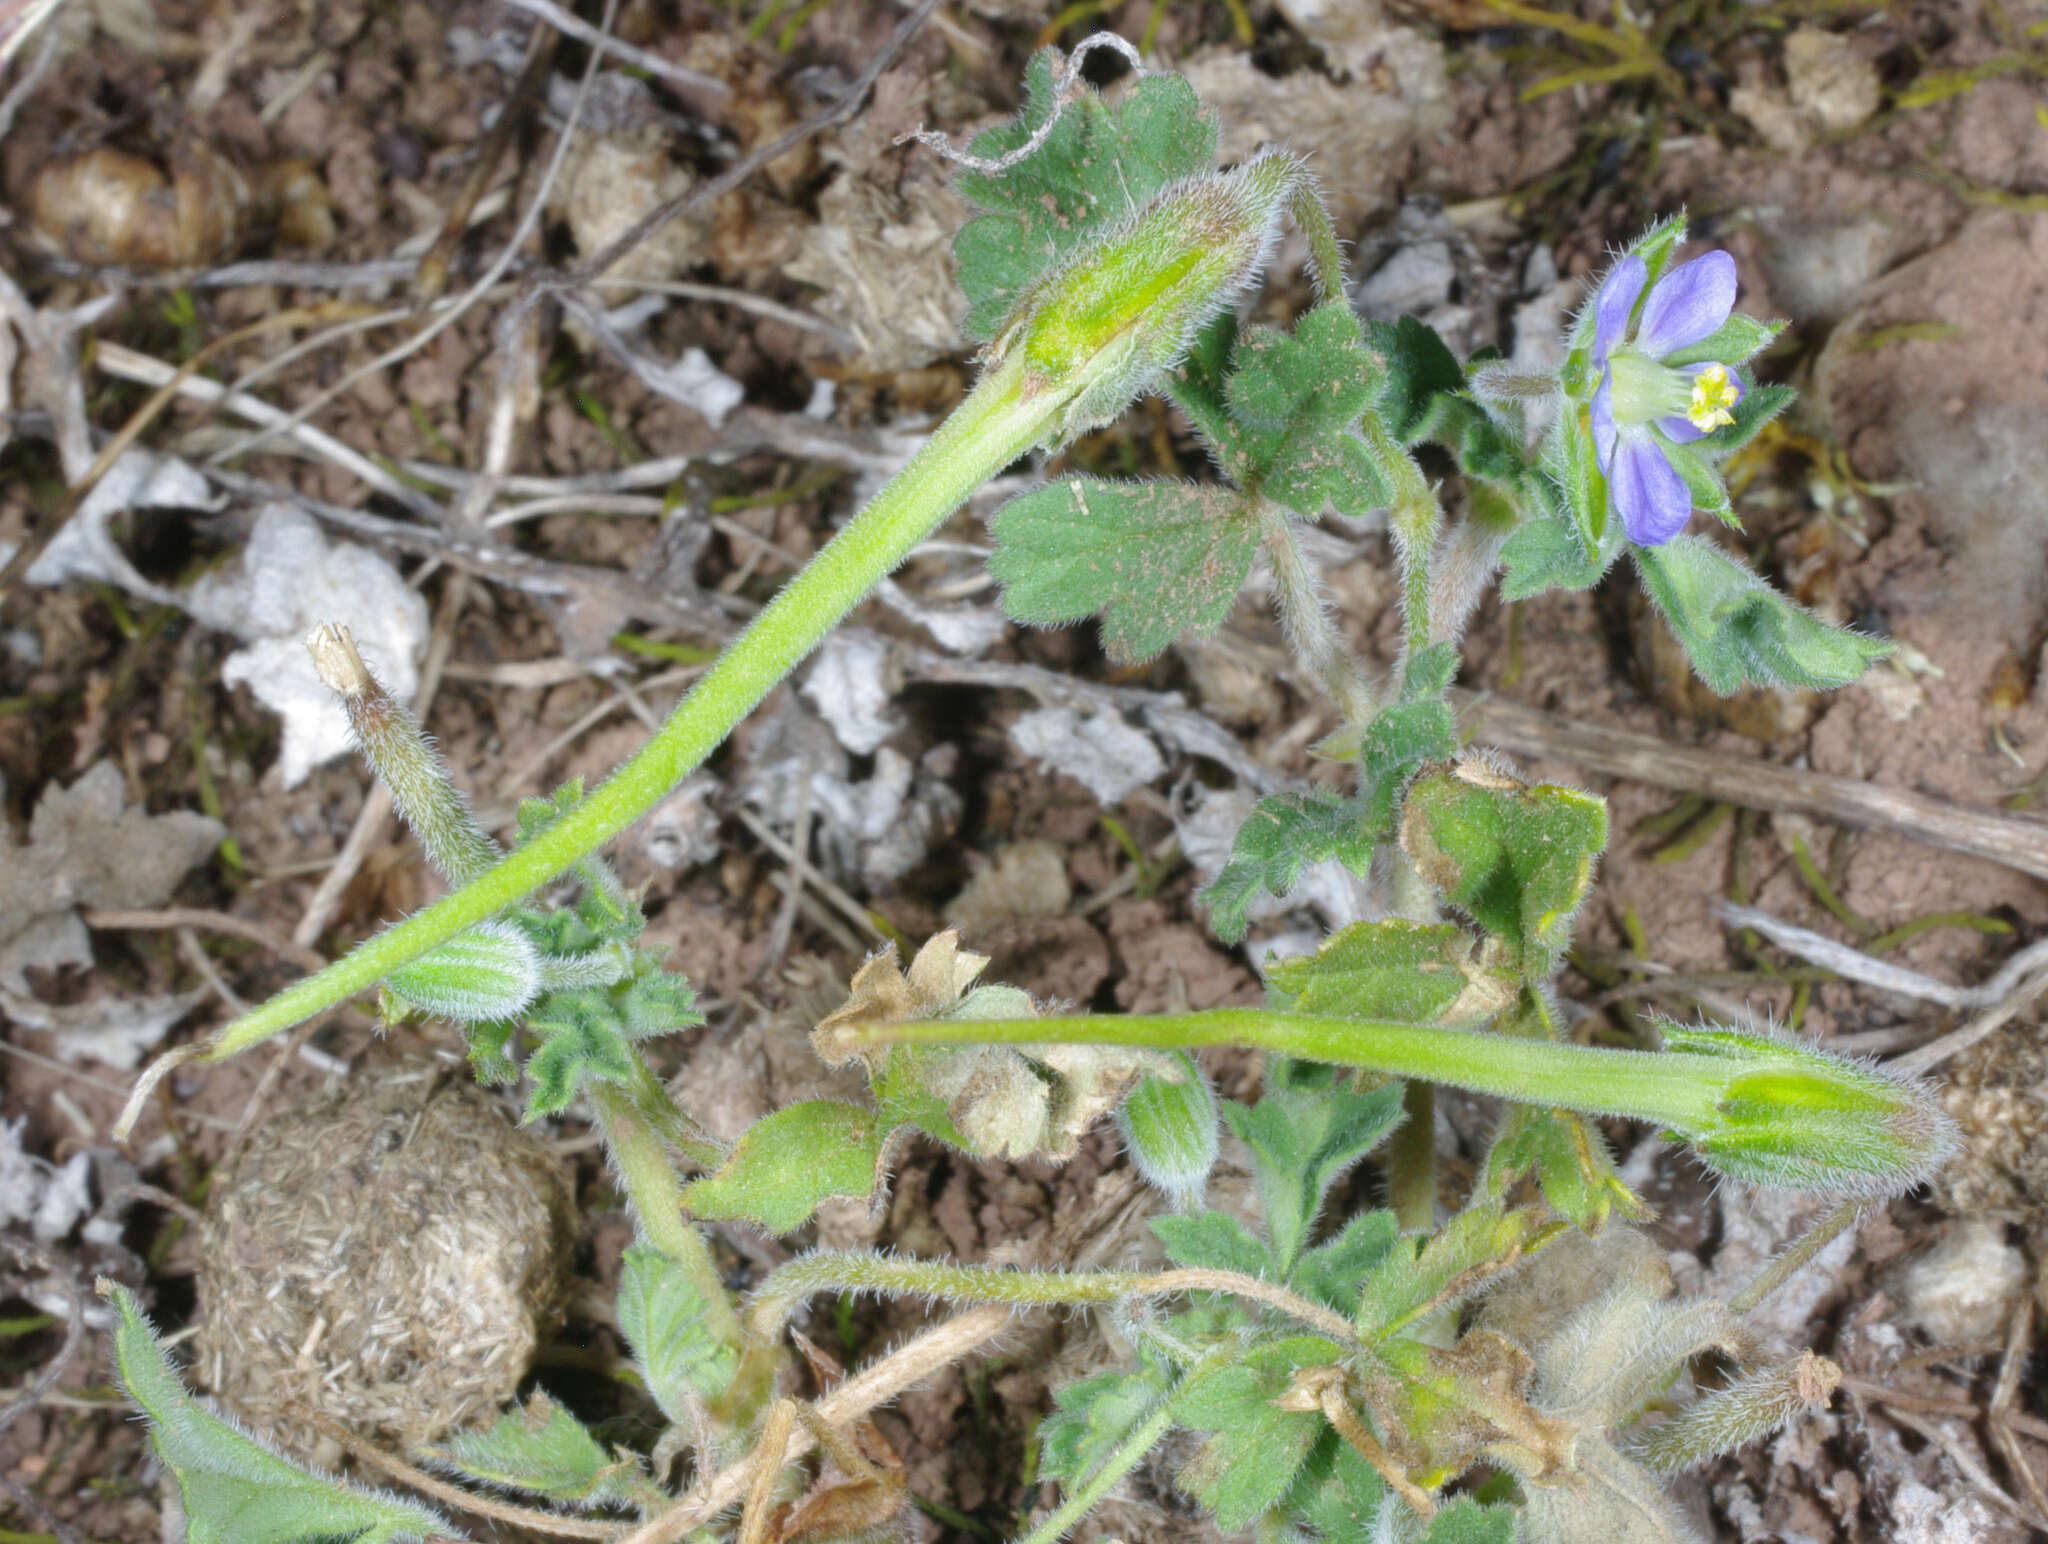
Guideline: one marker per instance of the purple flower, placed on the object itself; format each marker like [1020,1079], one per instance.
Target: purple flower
[1642,404]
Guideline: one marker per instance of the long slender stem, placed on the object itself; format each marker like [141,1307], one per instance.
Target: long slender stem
[1411,1160]
[776,1299]
[1676,1089]
[995,425]
[650,1179]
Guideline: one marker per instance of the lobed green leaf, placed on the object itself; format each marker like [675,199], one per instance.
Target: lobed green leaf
[1301,1143]
[1515,857]
[1097,165]
[1284,833]
[791,1162]
[542,1449]
[1153,559]
[664,1319]
[1737,630]
[1395,969]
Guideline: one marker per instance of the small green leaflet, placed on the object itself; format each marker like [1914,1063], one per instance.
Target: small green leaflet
[789,1162]
[1737,630]
[542,1449]
[1332,1273]
[663,1317]
[1339,1494]
[1394,969]
[1282,834]
[1211,1241]
[1465,1521]
[1301,1143]
[1096,166]
[582,1037]
[1516,858]
[1156,559]
[235,1490]
[1421,1272]
[1571,1161]
[1418,367]
[1294,399]
[1091,1417]
[1256,1448]
[1547,554]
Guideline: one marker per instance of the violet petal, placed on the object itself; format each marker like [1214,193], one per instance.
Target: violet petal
[1603,418]
[1687,304]
[1649,493]
[1611,307]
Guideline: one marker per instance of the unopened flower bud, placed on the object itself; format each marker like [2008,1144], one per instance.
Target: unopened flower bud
[1169,1127]
[1105,322]
[490,972]
[402,756]
[1795,1118]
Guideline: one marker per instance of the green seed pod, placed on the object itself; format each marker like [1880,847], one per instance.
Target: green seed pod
[490,972]
[1169,1127]
[1101,326]
[1795,1118]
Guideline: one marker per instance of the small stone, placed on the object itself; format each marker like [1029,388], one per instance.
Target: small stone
[1828,80]
[1964,1289]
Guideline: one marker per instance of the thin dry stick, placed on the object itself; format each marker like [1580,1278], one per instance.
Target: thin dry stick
[845,904]
[601,41]
[903,1368]
[1935,1052]
[1819,949]
[205,921]
[453,1495]
[2018,1348]
[2016,843]
[126,364]
[120,1091]
[468,299]
[431,278]
[799,873]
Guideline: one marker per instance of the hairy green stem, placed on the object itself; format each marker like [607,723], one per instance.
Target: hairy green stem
[672,1125]
[1411,1160]
[1671,1088]
[777,1298]
[642,1160]
[1310,627]
[997,423]
[1415,520]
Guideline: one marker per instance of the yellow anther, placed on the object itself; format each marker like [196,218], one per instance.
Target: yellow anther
[1713,394]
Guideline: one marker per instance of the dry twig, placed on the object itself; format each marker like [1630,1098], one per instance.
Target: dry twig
[1818,949]
[2016,843]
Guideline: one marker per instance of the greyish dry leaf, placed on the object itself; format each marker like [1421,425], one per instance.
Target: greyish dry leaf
[86,847]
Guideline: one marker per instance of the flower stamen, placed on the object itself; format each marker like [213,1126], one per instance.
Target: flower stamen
[1713,394]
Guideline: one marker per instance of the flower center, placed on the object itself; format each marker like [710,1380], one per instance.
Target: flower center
[1713,394]
[1645,390]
